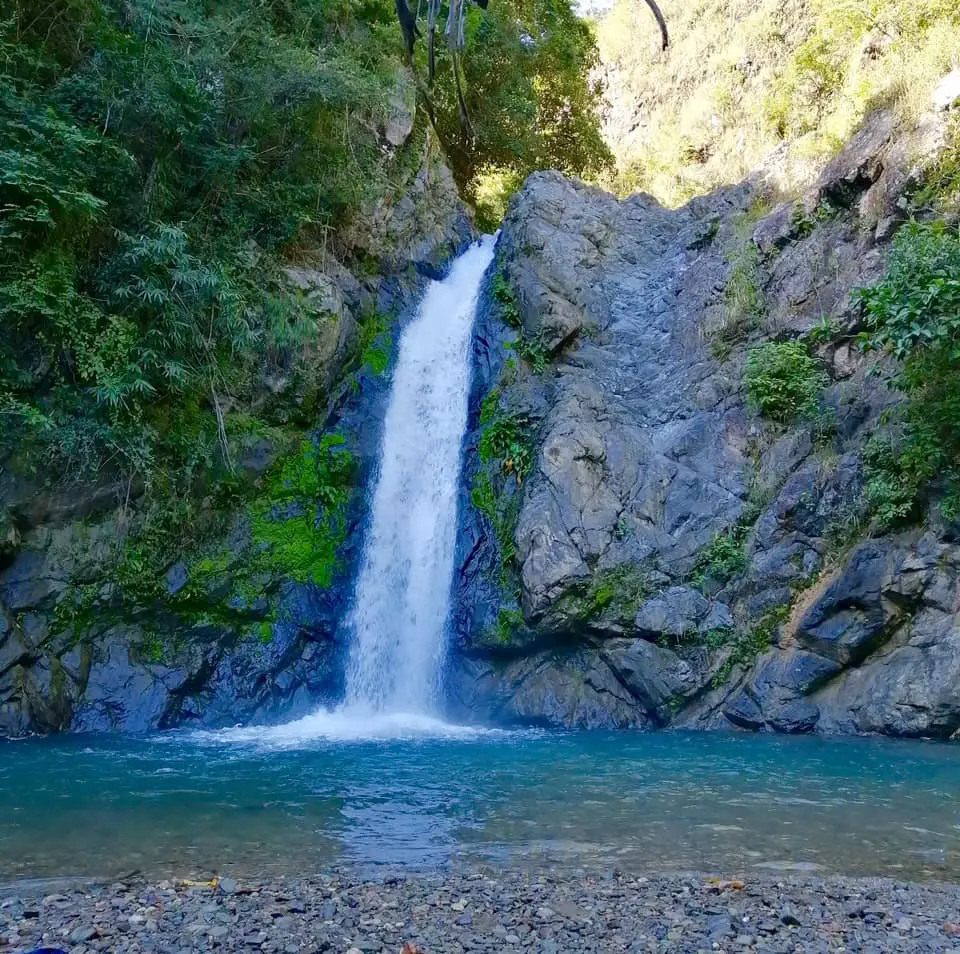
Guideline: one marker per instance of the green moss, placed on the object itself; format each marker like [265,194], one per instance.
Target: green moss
[151,647]
[490,407]
[501,510]
[617,592]
[375,343]
[509,621]
[299,523]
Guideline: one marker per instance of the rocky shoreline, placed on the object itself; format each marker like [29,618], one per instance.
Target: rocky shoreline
[483,910]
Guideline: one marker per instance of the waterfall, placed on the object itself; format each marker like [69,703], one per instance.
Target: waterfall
[402,596]
[398,620]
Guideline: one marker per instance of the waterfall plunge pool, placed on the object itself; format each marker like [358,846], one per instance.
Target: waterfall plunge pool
[416,794]
[387,791]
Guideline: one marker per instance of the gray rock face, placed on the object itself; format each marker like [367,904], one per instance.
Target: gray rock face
[641,439]
[726,545]
[579,690]
[874,651]
[849,620]
[678,611]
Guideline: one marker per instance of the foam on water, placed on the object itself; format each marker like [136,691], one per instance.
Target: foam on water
[349,725]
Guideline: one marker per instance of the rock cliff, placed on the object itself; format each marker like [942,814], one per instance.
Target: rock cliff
[641,548]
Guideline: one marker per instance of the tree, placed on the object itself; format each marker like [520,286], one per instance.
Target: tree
[531,96]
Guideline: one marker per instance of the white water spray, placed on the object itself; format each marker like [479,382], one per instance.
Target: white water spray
[402,597]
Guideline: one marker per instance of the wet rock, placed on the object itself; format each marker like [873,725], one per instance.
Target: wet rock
[655,676]
[567,689]
[850,619]
[677,611]
[177,578]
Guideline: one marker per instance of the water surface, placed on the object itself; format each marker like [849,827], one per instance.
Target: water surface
[421,795]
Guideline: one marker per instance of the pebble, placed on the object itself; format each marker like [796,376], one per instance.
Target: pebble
[227,886]
[482,911]
[82,934]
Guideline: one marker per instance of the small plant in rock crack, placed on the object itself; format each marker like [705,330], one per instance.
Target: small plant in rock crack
[805,223]
[509,623]
[824,331]
[506,298]
[749,643]
[533,350]
[507,439]
[722,559]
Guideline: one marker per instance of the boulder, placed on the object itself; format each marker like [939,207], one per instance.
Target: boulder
[657,678]
[773,695]
[851,617]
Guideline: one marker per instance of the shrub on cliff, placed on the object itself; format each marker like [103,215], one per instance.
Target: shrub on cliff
[784,381]
[158,163]
[914,314]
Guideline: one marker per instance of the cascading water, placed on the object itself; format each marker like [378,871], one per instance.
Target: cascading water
[402,596]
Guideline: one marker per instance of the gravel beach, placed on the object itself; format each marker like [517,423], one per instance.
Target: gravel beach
[485,911]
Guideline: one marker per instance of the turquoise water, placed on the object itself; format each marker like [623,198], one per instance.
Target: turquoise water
[248,802]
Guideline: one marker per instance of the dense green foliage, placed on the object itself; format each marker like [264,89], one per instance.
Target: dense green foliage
[159,161]
[532,101]
[914,313]
[784,381]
